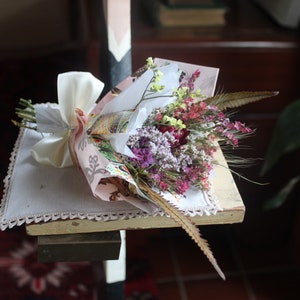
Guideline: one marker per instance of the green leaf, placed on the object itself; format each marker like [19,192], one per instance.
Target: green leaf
[282,195]
[286,136]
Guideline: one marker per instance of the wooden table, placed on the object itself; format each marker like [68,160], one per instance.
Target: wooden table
[71,240]
[223,185]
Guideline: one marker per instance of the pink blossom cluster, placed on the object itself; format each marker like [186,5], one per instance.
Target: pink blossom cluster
[174,149]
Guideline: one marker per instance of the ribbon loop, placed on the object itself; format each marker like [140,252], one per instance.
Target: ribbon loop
[77,93]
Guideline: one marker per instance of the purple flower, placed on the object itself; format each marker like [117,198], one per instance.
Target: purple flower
[143,157]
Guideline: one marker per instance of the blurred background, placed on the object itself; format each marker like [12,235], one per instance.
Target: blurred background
[256,48]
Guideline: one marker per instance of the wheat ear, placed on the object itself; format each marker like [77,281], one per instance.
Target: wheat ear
[185,222]
[237,99]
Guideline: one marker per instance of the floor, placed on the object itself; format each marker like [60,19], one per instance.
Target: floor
[182,272]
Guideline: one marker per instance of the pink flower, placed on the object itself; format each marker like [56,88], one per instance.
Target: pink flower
[182,186]
[163,185]
[158,117]
[180,135]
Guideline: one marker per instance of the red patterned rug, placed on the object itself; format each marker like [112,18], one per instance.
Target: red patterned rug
[22,277]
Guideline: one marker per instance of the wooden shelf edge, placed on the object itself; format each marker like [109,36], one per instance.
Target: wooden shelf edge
[224,189]
[230,216]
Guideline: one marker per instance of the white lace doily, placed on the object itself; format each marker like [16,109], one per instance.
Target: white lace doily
[36,193]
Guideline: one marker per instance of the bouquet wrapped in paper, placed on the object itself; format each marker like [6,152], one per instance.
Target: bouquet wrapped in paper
[150,142]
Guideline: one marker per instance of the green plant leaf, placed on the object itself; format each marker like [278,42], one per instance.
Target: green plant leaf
[286,136]
[282,195]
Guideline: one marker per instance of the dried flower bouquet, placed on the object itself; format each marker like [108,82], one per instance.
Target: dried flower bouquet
[160,139]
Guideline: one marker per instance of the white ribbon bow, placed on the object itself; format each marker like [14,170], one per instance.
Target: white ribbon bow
[77,94]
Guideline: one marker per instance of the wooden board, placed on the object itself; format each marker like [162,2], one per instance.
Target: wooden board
[79,247]
[223,186]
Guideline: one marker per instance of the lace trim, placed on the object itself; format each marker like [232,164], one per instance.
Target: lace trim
[7,178]
[5,224]
[8,224]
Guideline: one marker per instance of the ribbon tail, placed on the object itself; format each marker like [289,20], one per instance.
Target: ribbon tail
[53,151]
